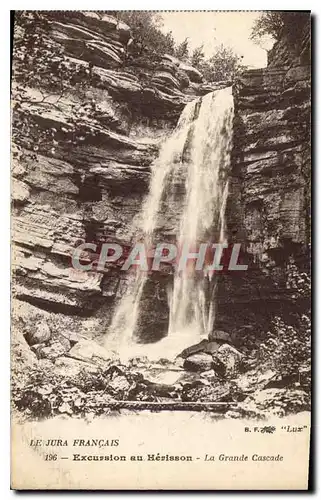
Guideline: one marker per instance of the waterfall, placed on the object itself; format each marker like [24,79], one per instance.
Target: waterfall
[190,173]
[120,335]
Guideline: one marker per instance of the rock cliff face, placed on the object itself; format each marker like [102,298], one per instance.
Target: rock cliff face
[90,184]
[269,202]
[104,131]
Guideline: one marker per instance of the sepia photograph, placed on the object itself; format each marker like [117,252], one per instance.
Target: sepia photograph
[160,249]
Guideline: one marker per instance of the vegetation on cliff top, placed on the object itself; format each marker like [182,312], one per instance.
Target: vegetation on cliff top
[149,39]
[278,24]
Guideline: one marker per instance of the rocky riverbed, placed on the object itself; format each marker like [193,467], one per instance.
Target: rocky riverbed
[78,377]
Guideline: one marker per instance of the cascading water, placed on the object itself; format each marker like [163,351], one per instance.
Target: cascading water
[120,335]
[198,156]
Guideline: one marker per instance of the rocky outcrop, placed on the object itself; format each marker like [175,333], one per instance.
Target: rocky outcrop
[89,183]
[104,133]
[82,168]
[268,209]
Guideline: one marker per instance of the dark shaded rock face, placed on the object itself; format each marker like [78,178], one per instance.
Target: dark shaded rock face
[268,209]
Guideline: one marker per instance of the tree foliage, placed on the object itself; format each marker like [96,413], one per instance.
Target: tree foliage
[146,32]
[287,348]
[182,51]
[224,64]
[198,56]
[278,24]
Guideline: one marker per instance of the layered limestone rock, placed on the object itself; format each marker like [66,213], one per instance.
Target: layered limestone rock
[85,172]
[90,183]
[268,209]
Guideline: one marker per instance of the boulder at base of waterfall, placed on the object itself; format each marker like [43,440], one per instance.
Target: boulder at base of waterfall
[52,351]
[207,393]
[69,367]
[198,362]
[119,384]
[221,337]
[211,347]
[39,335]
[65,342]
[203,346]
[161,390]
[89,350]
[229,357]
[193,349]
